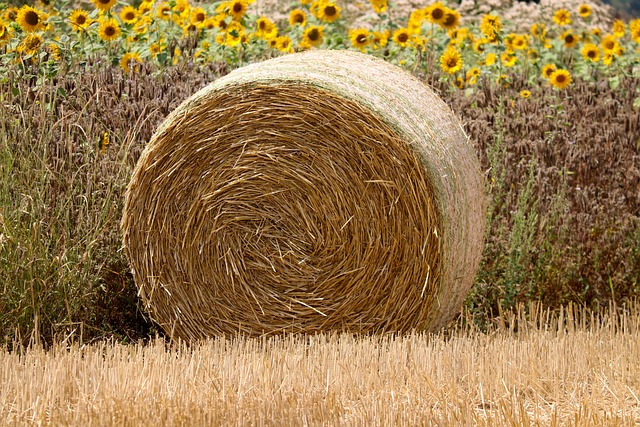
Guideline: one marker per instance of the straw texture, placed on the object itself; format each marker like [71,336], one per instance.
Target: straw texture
[325,190]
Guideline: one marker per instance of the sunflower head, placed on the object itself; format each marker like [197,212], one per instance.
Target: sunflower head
[109,30]
[451,19]
[560,79]
[30,44]
[198,16]
[104,5]
[590,52]
[451,61]
[570,39]
[608,43]
[538,30]
[618,28]
[10,14]
[237,8]
[584,10]
[163,11]
[129,14]
[562,17]
[359,38]
[312,36]
[547,70]
[436,13]
[491,27]
[297,17]
[283,44]
[402,37]
[379,6]
[380,39]
[266,29]
[30,19]
[79,19]
[129,62]
[525,93]
[327,11]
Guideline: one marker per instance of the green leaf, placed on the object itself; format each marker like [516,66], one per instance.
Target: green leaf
[636,103]
[614,82]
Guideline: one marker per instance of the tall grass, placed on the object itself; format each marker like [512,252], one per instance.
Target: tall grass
[535,367]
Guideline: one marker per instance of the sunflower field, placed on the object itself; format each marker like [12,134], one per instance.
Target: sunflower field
[553,110]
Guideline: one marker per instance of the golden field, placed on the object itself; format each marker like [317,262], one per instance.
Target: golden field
[570,367]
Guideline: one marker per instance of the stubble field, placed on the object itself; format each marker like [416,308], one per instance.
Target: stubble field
[570,367]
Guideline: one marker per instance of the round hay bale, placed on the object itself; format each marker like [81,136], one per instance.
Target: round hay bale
[325,190]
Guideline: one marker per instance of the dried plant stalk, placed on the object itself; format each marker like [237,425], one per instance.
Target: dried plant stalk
[317,191]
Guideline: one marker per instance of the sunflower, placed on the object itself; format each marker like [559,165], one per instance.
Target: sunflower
[181,6]
[560,78]
[266,29]
[538,30]
[562,17]
[359,38]
[416,19]
[607,59]
[380,39]
[451,60]
[451,19]
[436,13]
[297,17]
[30,19]
[490,59]
[79,19]
[109,30]
[401,37]
[608,43]
[220,21]
[618,29]
[104,5]
[479,45]
[283,44]
[6,33]
[10,14]
[508,58]
[237,8]
[590,52]
[53,51]
[547,70]
[233,35]
[198,16]
[520,42]
[503,80]
[145,7]
[127,60]
[312,36]
[328,11]
[491,27]
[142,25]
[129,14]
[472,75]
[458,83]
[584,10]
[30,44]
[460,34]
[157,48]
[570,39]
[379,6]
[525,93]
[634,29]
[596,32]
[164,11]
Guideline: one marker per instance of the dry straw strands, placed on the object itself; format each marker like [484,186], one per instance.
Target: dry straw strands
[317,191]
